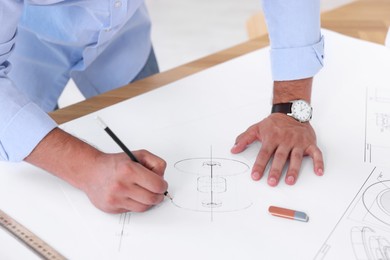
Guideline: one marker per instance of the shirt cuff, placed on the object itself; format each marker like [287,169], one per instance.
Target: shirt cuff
[26,129]
[297,63]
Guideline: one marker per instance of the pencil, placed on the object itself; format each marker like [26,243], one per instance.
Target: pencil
[122,146]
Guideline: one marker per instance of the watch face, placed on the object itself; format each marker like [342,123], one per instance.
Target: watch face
[301,110]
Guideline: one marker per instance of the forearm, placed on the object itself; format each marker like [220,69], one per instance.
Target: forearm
[65,156]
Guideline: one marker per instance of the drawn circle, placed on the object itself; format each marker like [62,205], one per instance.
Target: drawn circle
[384,199]
[376,199]
[211,185]
[219,166]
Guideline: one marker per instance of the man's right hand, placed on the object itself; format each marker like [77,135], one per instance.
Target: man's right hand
[113,182]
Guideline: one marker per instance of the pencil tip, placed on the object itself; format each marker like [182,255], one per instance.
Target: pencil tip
[166,194]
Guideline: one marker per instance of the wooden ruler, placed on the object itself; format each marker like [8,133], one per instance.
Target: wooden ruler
[28,238]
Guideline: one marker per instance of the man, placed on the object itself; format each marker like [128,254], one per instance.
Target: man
[104,44]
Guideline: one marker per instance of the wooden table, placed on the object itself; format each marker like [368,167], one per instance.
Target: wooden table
[364,19]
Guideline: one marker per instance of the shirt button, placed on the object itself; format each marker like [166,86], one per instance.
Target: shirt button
[117,4]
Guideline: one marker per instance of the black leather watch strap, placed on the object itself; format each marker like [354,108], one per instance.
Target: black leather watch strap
[284,108]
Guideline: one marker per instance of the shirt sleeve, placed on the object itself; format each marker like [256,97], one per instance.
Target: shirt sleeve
[22,123]
[297,47]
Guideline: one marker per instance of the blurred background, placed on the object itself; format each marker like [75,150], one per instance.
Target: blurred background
[186,30]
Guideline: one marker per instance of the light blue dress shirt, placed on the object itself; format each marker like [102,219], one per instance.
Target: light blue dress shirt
[103,44]
[297,47]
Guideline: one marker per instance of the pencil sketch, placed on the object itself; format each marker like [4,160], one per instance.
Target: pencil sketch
[368,245]
[377,136]
[373,207]
[124,221]
[211,184]
[383,121]
[380,95]
[367,219]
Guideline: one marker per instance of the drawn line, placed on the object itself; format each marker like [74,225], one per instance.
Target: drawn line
[383,182]
[365,129]
[124,218]
[345,212]
[211,189]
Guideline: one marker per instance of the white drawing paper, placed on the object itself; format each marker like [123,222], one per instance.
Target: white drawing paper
[218,212]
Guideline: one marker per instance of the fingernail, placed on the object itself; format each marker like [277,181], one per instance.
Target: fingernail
[290,180]
[272,181]
[320,171]
[255,176]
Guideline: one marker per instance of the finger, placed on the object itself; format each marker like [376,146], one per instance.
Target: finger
[118,204]
[296,158]
[151,161]
[112,209]
[148,180]
[129,204]
[244,139]
[143,196]
[278,163]
[315,153]
[123,198]
[119,211]
[262,160]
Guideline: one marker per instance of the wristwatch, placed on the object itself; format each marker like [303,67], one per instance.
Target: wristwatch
[299,109]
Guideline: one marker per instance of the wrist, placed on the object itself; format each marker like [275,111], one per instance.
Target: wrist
[285,91]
